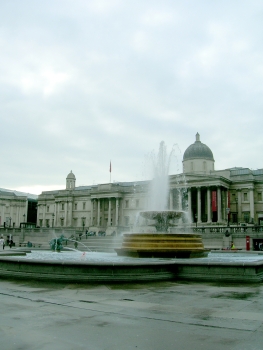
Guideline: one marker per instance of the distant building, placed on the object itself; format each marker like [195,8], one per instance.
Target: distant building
[211,197]
[16,208]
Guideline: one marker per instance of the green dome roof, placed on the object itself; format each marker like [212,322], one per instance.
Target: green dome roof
[198,150]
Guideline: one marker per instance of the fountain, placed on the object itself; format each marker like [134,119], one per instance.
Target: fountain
[56,244]
[142,256]
[162,243]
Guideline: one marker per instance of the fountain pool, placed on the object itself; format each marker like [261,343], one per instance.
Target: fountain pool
[89,267]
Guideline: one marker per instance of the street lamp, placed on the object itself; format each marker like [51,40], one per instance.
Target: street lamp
[227,213]
[83,222]
[53,217]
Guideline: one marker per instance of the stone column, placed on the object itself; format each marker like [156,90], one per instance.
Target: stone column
[208,194]
[58,212]
[109,213]
[98,214]
[66,214]
[190,214]
[11,214]
[199,204]
[70,213]
[91,211]
[223,212]
[55,213]
[171,200]
[44,215]
[239,218]
[117,212]
[17,215]
[2,214]
[180,204]
[219,205]
[251,204]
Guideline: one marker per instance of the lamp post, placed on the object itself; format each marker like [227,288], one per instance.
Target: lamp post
[83,222]
[196,220]
[227,213]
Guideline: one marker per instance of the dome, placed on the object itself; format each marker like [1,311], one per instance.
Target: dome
[71,176]
[198,150]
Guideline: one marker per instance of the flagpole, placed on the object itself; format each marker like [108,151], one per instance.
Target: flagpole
[110,172]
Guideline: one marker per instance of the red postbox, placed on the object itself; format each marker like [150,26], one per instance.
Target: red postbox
[247,242]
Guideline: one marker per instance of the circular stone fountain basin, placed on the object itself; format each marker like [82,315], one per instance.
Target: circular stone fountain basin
[83,267]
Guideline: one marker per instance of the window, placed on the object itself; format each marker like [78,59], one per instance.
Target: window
[234,217]
[76,206]
[62,222]
[62,206]
[259,196]
[84,205]
[47,208]
[245,196]
[47,222]
[41,222]
[126,204]
[246,216]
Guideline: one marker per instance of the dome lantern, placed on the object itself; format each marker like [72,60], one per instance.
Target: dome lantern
[70,181]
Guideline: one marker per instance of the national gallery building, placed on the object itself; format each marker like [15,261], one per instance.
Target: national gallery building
[211,197]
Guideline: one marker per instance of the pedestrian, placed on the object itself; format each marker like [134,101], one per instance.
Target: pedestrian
[2,243]
[233,246]
[10,243]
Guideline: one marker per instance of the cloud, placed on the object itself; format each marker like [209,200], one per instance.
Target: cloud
[91,81]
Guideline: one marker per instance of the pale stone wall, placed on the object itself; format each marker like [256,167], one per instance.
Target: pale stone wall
[13,209]
[198,166]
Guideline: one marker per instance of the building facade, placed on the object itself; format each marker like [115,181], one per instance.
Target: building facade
[16,208]
[209,196]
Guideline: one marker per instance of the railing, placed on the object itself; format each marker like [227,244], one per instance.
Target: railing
[229,229]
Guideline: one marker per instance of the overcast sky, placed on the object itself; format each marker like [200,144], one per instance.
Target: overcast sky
[85,82]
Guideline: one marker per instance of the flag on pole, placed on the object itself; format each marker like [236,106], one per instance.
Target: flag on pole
[110,166]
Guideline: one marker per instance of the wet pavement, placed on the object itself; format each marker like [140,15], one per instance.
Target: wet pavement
[159,315]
